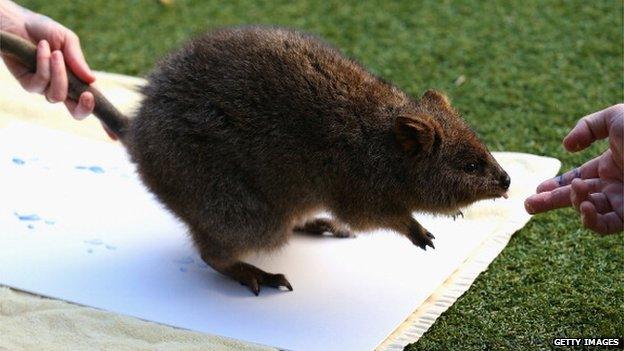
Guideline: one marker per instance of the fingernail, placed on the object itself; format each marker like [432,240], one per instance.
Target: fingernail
[528,207]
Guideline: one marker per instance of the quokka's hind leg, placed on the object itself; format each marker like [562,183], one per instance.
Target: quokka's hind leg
[246,273]
[319,226]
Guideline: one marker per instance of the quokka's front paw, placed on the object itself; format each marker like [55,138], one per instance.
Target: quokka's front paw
[421,237]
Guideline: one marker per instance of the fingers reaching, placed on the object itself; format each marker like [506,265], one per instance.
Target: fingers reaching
[600,210]
[548,200]
[582,191]
[558,181]
[551,195]
[588,170]
[549,185]
[595,189]
[608,223]
[589,129]
[601,202]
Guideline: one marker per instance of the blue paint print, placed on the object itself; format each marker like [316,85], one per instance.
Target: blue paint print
[185,260]
[182,269]
[94,242]
[90,250]
[94,169]
[30,226]
[49,222]
[18,161]
[111,247]
[28,217]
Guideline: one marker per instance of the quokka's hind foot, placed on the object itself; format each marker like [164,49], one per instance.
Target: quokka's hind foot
[320,226]
[248,274]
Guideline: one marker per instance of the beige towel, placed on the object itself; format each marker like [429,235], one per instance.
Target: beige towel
[29,322]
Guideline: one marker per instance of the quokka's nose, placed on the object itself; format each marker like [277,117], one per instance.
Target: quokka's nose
[505,180]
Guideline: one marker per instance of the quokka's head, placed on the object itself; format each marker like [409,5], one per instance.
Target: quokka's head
[445,159]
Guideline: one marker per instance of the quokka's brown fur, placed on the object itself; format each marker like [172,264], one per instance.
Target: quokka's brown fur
[247,133]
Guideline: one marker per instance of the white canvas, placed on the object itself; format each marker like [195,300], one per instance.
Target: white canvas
[76,224]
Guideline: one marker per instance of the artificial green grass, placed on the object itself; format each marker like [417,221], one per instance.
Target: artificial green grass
[532,69]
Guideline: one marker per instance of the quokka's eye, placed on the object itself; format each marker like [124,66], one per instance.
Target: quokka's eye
[471,167]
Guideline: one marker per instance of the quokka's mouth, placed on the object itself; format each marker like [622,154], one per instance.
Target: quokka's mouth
[498,194]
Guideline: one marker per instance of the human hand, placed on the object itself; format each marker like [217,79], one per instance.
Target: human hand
[596,189]
[56,47]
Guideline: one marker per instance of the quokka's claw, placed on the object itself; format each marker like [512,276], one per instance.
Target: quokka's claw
[254,278]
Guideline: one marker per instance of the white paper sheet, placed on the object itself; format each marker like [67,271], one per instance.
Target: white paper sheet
[76,224]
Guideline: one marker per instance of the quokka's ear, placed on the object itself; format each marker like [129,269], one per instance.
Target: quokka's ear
[436,99]
[419,134]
